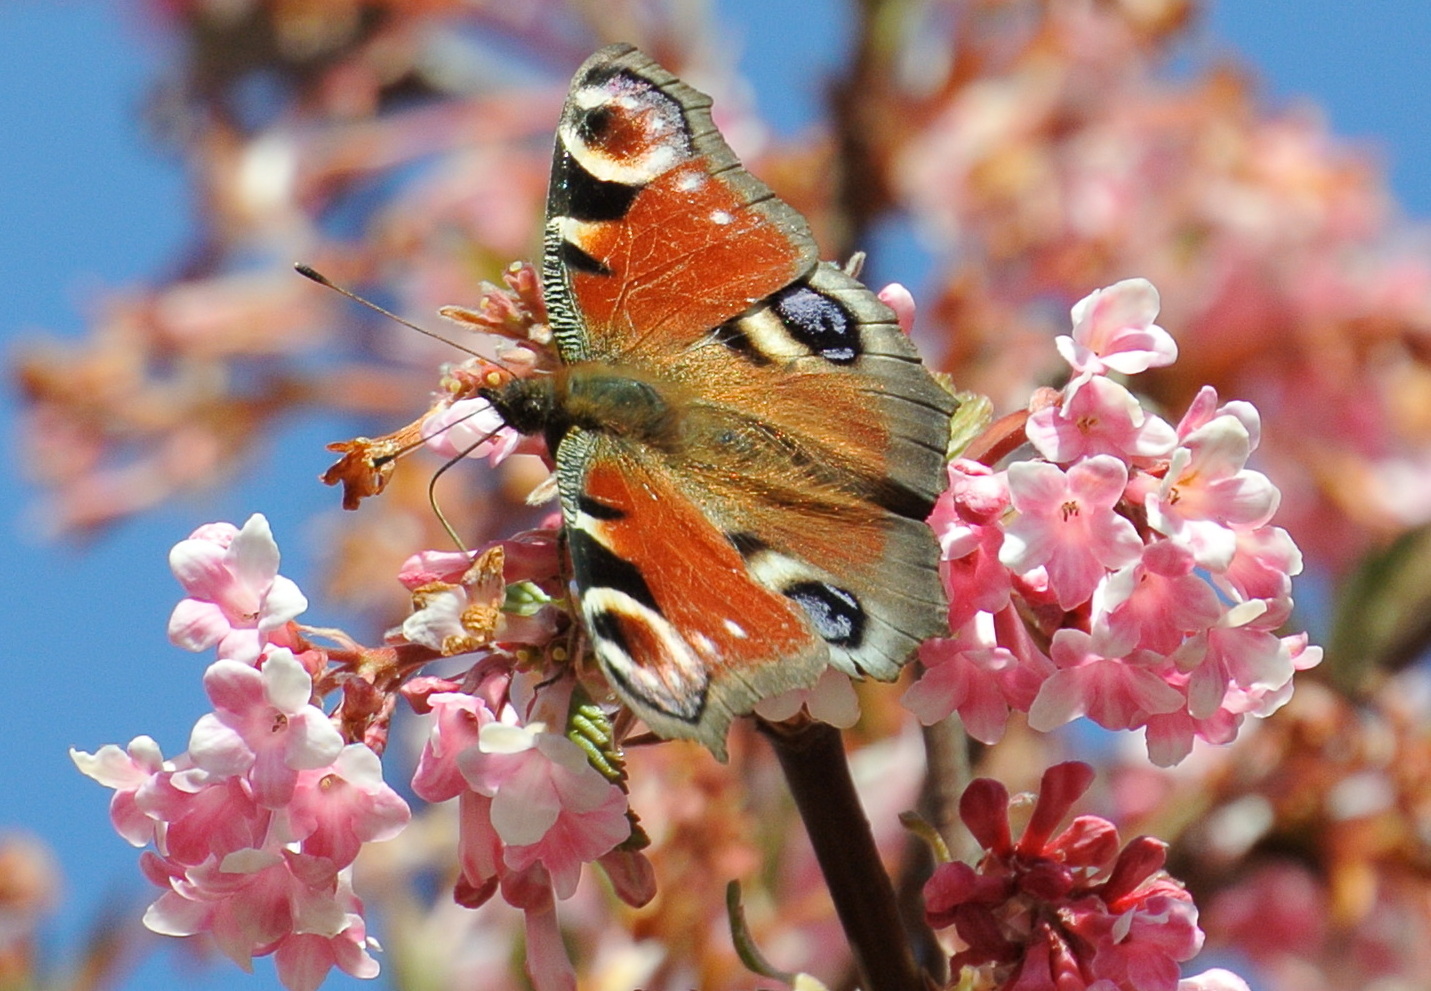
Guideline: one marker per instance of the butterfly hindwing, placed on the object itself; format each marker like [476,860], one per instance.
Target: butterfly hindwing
[676,623]
[747,445]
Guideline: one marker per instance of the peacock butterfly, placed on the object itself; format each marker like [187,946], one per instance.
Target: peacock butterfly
[746,443]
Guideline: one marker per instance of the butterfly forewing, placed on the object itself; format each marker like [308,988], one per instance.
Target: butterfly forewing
[647,202]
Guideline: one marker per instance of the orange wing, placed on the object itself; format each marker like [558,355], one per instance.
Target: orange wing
[677,623]
[655,233]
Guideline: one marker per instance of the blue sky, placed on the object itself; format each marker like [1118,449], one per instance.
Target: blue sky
[86,203]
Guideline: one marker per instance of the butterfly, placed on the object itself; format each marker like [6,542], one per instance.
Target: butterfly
[746,444]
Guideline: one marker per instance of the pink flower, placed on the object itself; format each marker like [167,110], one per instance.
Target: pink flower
[335,810]
[479,607]
[1234,669]
[1113,331]
[202,817]
[1237,665]
[1170,735]
[1158,601]
[1102,417]
[966,519]
[470,428]
[126,771]
[1276,908]
[528,556]
[1262,567]
[531,811]
[457,718]
[530,798]
[1207,494]
[1100,676]
[831,700]
[426,567]
[547,962]
[237,600]
[258,902]
[901,301]
[1139,934]
[549,805]
[258,881]
[1067,525]
[304,959]
[973,675]
[1204,409]
[1065,909]
[1215,979]
[264,726]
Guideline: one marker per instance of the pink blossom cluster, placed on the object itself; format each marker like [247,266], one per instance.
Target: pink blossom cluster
[532,807]
[1065,910]
[1130,574]
[532,810]
[256,826]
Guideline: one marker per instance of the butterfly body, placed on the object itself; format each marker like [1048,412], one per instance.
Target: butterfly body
[746,444]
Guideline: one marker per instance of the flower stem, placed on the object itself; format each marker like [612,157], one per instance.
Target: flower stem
[813,759]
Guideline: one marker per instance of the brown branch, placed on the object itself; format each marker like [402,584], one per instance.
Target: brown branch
[813,759]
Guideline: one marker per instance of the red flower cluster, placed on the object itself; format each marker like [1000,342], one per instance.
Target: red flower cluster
[1062,911]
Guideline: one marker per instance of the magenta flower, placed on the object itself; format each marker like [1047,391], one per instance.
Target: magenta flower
[236,600]
[1067,525]
[1064,911]
[263,725]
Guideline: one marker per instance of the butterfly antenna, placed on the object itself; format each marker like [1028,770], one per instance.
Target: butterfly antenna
[432,487]
[311,273]
[437,510]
